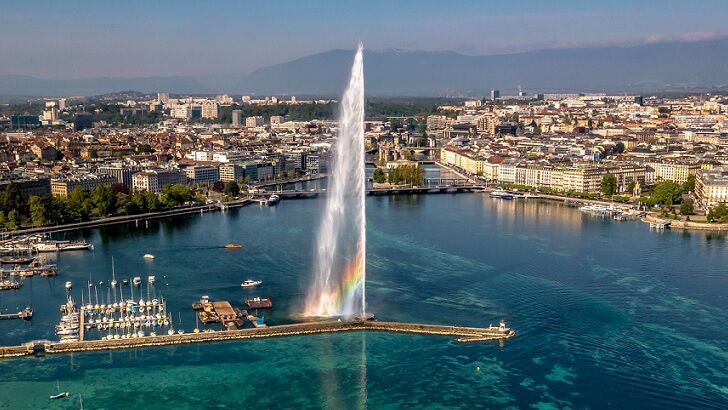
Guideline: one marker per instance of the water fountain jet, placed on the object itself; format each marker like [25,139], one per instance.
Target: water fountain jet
[338,288]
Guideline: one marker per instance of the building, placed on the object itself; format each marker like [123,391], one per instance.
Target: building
[82,121]
[711,186]
[237,118]
[232,172]
[163,97]
[256,121]
[494,95]
[63,186]
[24,121]
[677,171]
[202,174]
[146,181]
[122,173]
[28,186]
[209,110]
[170,176]
[276,119]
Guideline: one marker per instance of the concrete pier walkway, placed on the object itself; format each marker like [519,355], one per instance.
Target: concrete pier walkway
[462,334]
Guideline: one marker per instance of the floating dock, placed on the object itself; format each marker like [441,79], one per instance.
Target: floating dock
[461,334]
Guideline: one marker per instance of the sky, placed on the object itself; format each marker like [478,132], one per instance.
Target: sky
[131,38]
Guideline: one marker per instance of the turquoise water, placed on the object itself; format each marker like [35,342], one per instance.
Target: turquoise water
[609,314]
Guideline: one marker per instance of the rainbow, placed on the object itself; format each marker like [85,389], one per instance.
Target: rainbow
[340,299]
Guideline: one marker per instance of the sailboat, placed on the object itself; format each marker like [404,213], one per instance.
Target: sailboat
[113,274]
[58,394]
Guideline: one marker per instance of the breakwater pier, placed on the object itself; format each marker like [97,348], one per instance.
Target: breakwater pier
[461,334]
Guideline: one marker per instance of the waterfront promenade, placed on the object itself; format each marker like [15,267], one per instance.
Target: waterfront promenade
[461,334]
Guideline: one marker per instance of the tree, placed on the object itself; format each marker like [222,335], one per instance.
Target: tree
[718,213]
[175,195]
[687,207]
[37,211]
[379,176]
[689,185]
[218,186]
[630,186]
[667,192]
[609,184]
[103,201]
[13,199]
[231,188]
[151,201]
[13,221]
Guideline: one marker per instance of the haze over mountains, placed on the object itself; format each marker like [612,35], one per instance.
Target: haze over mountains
[643,68]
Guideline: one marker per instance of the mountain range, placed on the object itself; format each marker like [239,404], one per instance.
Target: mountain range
[642,68]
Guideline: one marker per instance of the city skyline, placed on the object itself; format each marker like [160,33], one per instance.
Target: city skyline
[137,39]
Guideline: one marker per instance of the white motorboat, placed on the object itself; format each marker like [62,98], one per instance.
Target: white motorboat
[501,194]
[69,285]
[137,281]
[273,199]
[148,256]
[250,283]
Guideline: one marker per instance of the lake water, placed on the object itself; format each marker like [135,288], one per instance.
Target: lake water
[609,314]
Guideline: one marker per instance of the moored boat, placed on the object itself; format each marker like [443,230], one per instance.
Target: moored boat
[259,303]
[501,194]
[233,246]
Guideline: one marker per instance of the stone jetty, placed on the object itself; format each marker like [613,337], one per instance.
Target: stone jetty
[461,334]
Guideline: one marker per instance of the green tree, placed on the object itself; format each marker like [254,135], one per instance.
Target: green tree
[687,207]
[37,211]
[667,192]
[138,203]
[13,221]
[151,201]
[103,201]
[630,186]
[175,195]
[231,188]
[718,213]
[379,176]
[609,184]
[79,204]
[689,185]
[13,199]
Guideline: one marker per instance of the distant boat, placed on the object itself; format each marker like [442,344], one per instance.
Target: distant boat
[148,256]
[58,394]
[69,285]
[501,194]
[16,261]
[273,199]
[137,281]
[250,283]
[258,303]
[233,246]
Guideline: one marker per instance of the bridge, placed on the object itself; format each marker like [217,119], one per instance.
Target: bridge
[430,186]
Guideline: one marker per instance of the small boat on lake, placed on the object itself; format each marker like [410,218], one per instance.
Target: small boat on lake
[148,256]
[58,394]
[250,283]
[233,246]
